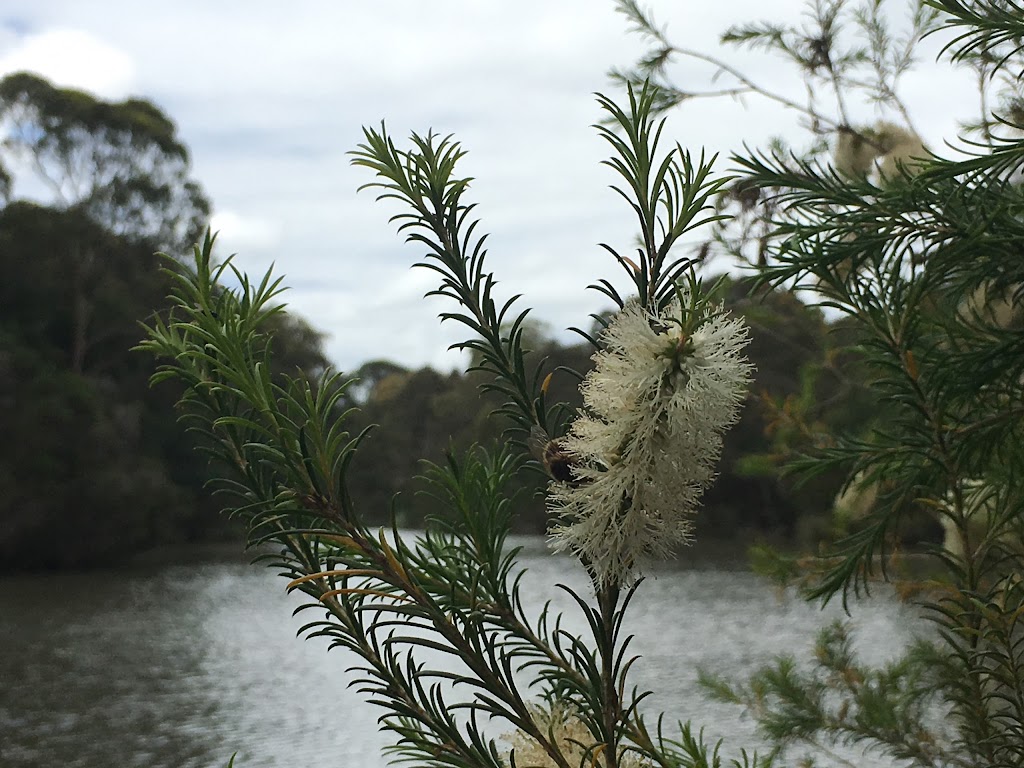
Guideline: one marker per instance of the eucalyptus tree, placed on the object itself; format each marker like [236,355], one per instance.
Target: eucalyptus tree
[122,163]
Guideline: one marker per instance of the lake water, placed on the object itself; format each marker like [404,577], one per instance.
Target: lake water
[180,665]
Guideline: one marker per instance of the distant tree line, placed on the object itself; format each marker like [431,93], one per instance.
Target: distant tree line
[94,464]
[808,383]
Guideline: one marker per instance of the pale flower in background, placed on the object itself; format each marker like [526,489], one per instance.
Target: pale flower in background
[884,152]
[662,392]
[571,737]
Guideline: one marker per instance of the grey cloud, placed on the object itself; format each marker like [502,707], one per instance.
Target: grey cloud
[270,98]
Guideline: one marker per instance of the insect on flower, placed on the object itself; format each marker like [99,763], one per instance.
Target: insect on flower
[557,461]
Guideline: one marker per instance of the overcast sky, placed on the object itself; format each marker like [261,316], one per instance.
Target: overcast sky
[270,97]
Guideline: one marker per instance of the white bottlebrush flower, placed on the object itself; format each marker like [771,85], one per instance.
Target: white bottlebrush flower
[663,390]
[571,737]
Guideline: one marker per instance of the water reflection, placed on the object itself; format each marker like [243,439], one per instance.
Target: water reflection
[181,665]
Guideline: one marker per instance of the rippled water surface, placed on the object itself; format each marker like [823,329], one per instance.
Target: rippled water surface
[180,665]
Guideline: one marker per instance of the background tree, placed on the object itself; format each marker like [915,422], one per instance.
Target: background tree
[94,465]
[122,163]
[84,475]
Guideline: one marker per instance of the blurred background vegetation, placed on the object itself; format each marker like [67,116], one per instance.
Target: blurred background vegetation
[94,466]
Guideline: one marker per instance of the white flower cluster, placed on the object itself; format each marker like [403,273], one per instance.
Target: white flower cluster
[662,392]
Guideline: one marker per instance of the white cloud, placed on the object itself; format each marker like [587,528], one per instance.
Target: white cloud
[238,232]
[72,58]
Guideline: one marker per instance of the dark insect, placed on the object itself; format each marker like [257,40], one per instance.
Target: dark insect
[557,461]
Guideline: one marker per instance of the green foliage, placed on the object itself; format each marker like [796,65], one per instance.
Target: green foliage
[74,286]
[77,482]
[437,623]
[837,700]
[920,255]
[898,260]
[988,28]
[423,415]
[670,194]
[799,392]
[286,454]
[438,220]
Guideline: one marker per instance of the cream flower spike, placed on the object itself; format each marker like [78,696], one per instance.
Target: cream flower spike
[663,391]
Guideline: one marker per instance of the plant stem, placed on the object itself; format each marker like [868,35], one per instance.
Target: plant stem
[608,599]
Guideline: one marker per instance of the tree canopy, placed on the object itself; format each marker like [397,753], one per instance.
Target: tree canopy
[120,162]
